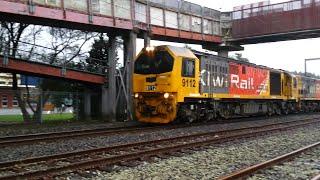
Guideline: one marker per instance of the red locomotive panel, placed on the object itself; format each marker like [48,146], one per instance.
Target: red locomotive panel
[248,80]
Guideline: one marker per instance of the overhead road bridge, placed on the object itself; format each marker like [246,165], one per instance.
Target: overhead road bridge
[299,19]
[173,20]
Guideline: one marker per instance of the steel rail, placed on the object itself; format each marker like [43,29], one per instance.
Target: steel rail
[317,177]
[87,164]
[267,164]
[31,138]
[44,158]
[49,137]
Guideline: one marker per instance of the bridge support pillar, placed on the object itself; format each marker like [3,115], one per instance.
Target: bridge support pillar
[108,93]
[147,39]
[223,53]
[87,105]
[224,48]
[129,56]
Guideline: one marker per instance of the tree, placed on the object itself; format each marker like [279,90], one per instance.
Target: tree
[98,55]
[14,33]
[313,75]
[98,58]
[240,58]
[99,49]
[65,47]
[2,38]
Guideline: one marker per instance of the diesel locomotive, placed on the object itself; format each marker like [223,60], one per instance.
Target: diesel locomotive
[173,83]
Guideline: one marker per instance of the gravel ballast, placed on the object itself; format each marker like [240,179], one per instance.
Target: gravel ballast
[306,166]
[63,126]
[77,144]
[216,160]
[21,129]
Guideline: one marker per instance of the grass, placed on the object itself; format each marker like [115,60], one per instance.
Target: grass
[46,118]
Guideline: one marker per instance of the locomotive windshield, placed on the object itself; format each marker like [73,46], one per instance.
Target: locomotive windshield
[156,62]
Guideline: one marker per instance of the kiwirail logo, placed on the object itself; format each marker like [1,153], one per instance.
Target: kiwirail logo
[214,80]
[241,83]
[221,81]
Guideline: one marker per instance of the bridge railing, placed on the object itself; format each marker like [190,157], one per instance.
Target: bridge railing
[173,14]
[276,21]
[185,16]
[273,8]
[45,55]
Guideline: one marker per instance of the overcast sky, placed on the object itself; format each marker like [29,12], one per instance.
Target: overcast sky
[288,55]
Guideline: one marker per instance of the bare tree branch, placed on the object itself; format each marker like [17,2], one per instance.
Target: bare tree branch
[79,49]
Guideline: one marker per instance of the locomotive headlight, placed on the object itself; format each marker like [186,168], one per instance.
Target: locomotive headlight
[166,95]
[150,48]
[136,95]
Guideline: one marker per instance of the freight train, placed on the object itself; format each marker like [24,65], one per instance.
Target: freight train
[173,83]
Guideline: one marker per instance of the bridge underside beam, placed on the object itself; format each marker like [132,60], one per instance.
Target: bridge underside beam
[296,35]
[47,71]
[224,48]
[175,35]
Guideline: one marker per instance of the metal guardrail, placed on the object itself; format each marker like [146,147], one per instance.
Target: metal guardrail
[273,8]
[45,55]
[274,22]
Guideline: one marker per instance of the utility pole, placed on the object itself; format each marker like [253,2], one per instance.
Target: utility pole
[305,64]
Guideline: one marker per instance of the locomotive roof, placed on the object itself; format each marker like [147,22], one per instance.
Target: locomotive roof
[235,61]
[181,51]
[251,64]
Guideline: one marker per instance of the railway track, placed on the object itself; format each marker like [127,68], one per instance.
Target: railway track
[316,177]
[243,173]
[63,163]
[49,137]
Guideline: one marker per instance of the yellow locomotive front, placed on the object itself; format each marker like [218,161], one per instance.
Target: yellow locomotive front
[158,82]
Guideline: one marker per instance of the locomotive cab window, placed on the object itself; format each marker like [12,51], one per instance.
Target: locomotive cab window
[157,62]
[188,68]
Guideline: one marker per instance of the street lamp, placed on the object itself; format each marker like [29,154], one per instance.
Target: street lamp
[305,64]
